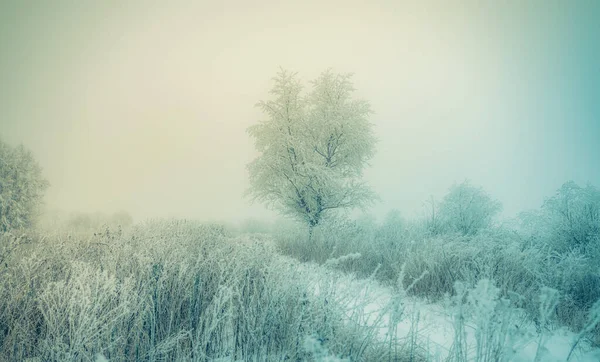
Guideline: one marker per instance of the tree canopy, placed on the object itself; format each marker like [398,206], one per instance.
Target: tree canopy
[468,209]
[314,148]
[574,214]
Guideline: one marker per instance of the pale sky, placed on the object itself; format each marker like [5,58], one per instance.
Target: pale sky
[143,106]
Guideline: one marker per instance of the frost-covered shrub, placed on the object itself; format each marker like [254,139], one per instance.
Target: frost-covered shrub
[568,220]
[449,259]
[467,209]
[574,214]
[577,277]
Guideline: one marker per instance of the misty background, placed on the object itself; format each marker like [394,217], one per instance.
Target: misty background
[144,107]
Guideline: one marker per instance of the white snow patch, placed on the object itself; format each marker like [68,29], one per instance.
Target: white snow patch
[435,327]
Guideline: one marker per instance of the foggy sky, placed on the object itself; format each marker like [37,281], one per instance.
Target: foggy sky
[144,107]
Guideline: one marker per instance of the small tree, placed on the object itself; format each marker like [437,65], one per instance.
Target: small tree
[573,214]
[313,148]
[22,187]
[467,209]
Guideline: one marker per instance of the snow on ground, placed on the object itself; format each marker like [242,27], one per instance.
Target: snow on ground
[367,298]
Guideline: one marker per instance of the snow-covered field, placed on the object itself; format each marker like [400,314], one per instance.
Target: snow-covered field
[236,289]
[432,324]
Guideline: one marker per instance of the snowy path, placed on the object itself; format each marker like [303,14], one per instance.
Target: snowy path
[367,300]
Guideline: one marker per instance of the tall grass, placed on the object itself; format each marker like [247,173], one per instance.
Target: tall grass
[185,291]
[169,291]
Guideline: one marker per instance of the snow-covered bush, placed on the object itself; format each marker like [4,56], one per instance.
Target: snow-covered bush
[574,213]
[467,209]
[568,220]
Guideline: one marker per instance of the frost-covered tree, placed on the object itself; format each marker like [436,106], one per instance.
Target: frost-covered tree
[467,209]
[313,148]
[573,214]
[567,220]
[22,187]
